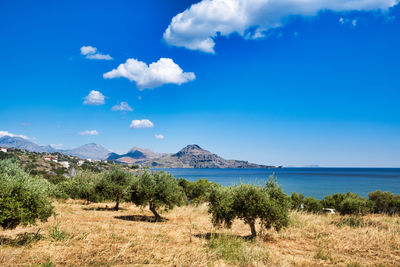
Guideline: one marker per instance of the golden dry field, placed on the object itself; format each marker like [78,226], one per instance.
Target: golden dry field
[82,235]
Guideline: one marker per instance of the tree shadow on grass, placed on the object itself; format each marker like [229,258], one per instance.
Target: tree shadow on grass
[106,208]
[209,236]
[20,240]
[140,218]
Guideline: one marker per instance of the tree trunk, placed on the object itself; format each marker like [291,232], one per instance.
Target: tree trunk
[117,203]
[153,209]
[253,229]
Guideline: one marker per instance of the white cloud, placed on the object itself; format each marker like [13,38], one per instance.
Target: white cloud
[91,53]
[5,133]
[351,22]
[123,106]
[164,71]
[196,27]
[56,146]
[89,132]
[88,50]
[144,123]
[94,98]
[159,136]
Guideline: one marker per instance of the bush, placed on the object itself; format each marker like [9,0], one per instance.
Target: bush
[158,190]
[114,185]
[23,199]
[297,201]
[385,202]
[312,205]
[334,201]
[250,202]
[356,206]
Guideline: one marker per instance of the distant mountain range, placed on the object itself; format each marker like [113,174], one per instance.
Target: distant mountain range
[191,156]
[88,151]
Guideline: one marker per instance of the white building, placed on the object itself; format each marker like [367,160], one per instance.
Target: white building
[3,150]
[80,162]
[65,164]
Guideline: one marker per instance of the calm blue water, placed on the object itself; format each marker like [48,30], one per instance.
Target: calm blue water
[314,182]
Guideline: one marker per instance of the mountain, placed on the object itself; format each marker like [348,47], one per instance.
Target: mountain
[134,155]
[25,144]
[89,151]
[193,156]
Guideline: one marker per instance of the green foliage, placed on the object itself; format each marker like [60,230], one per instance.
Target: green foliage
[198,191]
[385,202]
[312,205]
[250,202]
[23,199]
[236,250]
[80,186]
[356,206]
[349,203]
[296,201]
[114,185]
[157,189]
[56,234]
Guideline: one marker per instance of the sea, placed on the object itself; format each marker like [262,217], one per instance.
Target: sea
[313,182]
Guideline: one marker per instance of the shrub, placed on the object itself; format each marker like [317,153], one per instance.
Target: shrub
[312,205]
[158,190]
[296,201]
[334,201]
[385,202]
[356,206]
[250,202]
[23,199]
[114,185]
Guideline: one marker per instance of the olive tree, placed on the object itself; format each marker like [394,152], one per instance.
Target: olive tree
[267,203]
[157,190]
[23,199]
[114,185]
[81,186]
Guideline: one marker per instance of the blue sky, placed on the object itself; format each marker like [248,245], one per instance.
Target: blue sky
[321,86]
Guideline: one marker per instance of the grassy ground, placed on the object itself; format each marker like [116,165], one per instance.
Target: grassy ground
[81,235]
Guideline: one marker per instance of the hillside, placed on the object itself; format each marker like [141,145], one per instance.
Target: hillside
[193,156]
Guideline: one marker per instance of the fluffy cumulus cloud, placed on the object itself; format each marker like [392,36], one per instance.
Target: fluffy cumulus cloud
[123,106]
[164,71]
[91,53]
[196,27]
[5,133]
[159,136]
[89,132]
[94,98]
[140,124]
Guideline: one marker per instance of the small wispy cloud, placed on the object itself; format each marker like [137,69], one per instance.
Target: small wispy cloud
[123,106]
[91,53]
[6,133]
[159,136]
[139,124]
[350,22]
[94,98]
[26,124]
[89,132]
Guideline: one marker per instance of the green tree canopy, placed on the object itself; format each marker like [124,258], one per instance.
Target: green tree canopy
[23,199]
[114,185]
[158,190]
[267,203]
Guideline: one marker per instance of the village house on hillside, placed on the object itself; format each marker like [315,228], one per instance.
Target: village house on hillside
[2,149]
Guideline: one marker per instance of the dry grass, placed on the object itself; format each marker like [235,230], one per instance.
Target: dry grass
[80,235]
